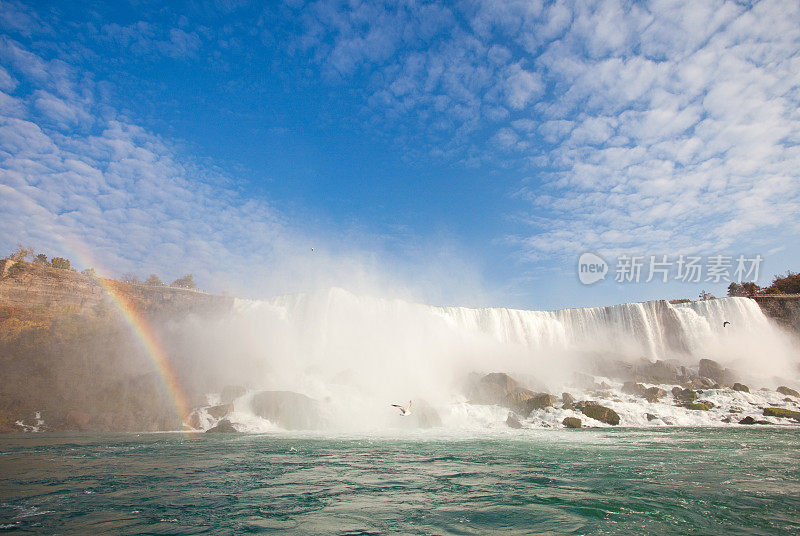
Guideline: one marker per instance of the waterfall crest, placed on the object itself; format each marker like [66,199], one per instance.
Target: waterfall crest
[339,336]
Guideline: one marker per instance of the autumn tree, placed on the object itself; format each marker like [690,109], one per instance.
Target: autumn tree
[788,284]
[131,278]
[21,254]
[186,281]
[41,260]
[154,281]
[735,289]
[60,262]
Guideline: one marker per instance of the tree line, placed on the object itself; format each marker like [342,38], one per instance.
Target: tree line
[781,284]
[23,255]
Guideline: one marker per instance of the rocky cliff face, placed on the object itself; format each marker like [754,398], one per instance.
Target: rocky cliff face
[69,360]
[783,309]
[29,285]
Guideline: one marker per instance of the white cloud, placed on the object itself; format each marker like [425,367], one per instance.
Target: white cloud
[146,39]
[522,87]
[661,126]
[666,126]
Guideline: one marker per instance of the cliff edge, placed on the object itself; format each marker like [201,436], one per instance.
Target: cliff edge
[24,284]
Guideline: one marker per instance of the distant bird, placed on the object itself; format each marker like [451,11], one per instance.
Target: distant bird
[404,411]
[724,324]
[312,249]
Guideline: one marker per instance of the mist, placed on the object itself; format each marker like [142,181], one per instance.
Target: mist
[357,354]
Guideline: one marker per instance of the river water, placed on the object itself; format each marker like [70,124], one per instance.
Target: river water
[733,480]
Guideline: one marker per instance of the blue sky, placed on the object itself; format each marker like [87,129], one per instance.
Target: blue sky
[459,153]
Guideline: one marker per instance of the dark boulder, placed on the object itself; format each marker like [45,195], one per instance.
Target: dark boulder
[650,416]
[571,422]
[194,420]
[223,427]
[601,413]
[289,410]
[513,421]
[783,413]
[686,395]
[698,406]
[787,391]
[567,399]
[518,400]
[748,420]
[741,387]
[539,401]
[501,389]
[633,388]
[712,369]
[658,372]
[652,394]
[218,412]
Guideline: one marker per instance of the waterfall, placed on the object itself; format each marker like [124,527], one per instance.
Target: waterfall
[313,340]
[356,355]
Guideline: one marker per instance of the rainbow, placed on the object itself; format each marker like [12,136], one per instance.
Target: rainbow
[149,342]
[140,328]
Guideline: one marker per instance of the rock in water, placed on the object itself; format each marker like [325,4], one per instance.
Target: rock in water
[601,413]
[513,421]
[425,415]
[567,399]
[571,422]
[289,410]
[652,394]
[741,387]
[539,401]
[787,391]
[501,389]
[658,372]
[517,400]
[223,410]
[710,369]
[687,395]
[223,427]
[782,412]
[747,420]
[696,406]
[633,388]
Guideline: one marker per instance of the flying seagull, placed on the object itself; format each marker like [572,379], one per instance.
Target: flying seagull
[724,324]
[404,411]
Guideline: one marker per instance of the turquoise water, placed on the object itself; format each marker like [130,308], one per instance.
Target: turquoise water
[622,481]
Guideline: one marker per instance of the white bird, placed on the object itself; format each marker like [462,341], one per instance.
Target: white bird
[404,411]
